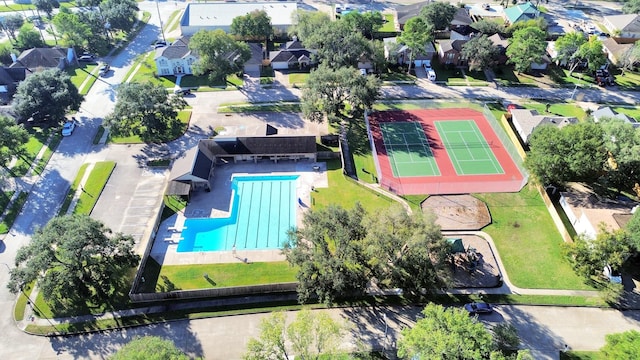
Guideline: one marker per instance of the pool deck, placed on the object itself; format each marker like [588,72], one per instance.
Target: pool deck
[217,204]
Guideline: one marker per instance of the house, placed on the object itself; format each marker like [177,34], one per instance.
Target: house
[219,15]
[615,51]
[293,55]
[607,112]
[588,213]
[254,64]
[501,44]
[192,170]
[494,11]
[624,28]
[543,64]
[406,12]
[450,52]
[175,59]
[365,63]
[525,121]
[520,12]
[461,22]
[9,80]
[38,59]
[401,54]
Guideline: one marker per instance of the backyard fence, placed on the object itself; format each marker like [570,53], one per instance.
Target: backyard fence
[215,292]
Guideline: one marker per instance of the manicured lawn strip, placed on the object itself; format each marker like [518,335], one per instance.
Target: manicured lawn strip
[17,7]
[202,83]
[528,241]
[72,190]
[561,109]
[79,73]
[189,277]
[12,212]
[5,197]
[414,201]
[147,72]
[170,19]
[345,192]
[628,81]
[361,150]
[48,153]
[298,78]
[266,107]
[37,140]
[389,25]
[93,187]
[395,106]
[184,116]
[397,76]
[172,205]
[633,112]
[21,302]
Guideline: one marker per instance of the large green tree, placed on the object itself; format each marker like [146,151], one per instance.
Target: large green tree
[28,38]
[11,24]
[312,335]
[588,257]
[147,110]
[328,253]
[46,95]
[329,41]
[633,230]
[525,47]
[13,137]
[74,259]
[329,90]
[488,27]
[438,14]
[45,6]
[567,46]
[119,14]
[573,153]
[622,346]
[622,142]
[306,22]
[255,25]
[631,7]
[406,251]
[480,53]
[445,333]
[72,30]
[150,348]
[365,23]
[219,54]
[592,52]
[416,35]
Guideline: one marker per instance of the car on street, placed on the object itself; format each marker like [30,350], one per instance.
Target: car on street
[475,308]
[159,44]
[183,92]
[68,127]
[486,7]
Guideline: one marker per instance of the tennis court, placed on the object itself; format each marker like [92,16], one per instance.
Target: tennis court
[468,150]
[408,149]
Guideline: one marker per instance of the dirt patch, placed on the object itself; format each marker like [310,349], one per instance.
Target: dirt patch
[484,274]
[458,212]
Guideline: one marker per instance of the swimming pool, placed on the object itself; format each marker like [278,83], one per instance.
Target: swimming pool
[262,211]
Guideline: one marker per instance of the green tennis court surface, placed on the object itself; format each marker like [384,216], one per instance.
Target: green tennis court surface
[408,149]
[468,150]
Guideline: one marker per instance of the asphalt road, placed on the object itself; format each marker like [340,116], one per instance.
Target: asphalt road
[543,328]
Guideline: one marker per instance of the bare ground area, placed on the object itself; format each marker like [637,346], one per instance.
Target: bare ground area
[458,212]
[485,274]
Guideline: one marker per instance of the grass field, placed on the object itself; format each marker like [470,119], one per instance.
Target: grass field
[93,187]
[528,242]
[184,116]
[561,109]
[38,137]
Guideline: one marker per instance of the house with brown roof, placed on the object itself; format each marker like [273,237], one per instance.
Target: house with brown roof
[450,52]
[615,51]
[501,44]
[39,59]
[399,53]
[525,121]
[406,12]
[623,28]
[461,22]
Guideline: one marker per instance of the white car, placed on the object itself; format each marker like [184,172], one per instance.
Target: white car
[68,127]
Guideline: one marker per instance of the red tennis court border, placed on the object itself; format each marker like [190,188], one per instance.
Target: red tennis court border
[449,182]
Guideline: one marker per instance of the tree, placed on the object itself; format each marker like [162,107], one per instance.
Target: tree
[74,259]
[72,30]
[99,40]
[219,54]
[505,337]
[46,6]
[631,7]
[567,46]
[256,25]
[527,46]
[591,52]
[11,24]
[438,14]
[488,27]
[5,54]
[147,110]
[539,23]
[328,90]
[480,53]
[445,333]
[311,335]
[365,23]
[416,35]
[622,143]
[328,252]
[119,14]
[28,38]
[13,137]
[46,96]
[621,346]
[307,22]
[329,41]
[150,348]
[404,251]
[633,229]
[629,58]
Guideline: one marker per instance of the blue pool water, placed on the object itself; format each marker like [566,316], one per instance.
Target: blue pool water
[262,211]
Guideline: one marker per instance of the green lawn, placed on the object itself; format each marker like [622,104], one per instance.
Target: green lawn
[72,190]
[36,141]
[189,277]
[389,25]
[80,73]
[172,204]
[561,109]
[147,72]
[345,192]
[528,241]
[628,81]
[582,355]
[633,112]
[12,212]
[170,19]
[93,187]
[298,78]
[184,116]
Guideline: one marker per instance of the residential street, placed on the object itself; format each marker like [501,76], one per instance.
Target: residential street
[543,328]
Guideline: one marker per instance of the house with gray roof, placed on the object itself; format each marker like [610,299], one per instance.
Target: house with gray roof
[9,80]
[607,112]
[525,121]
[175,59]
[624,28]
[401,54]
[293,55]
[219,15]
[406,12]
[520,12]
[39,59]
[450,52]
